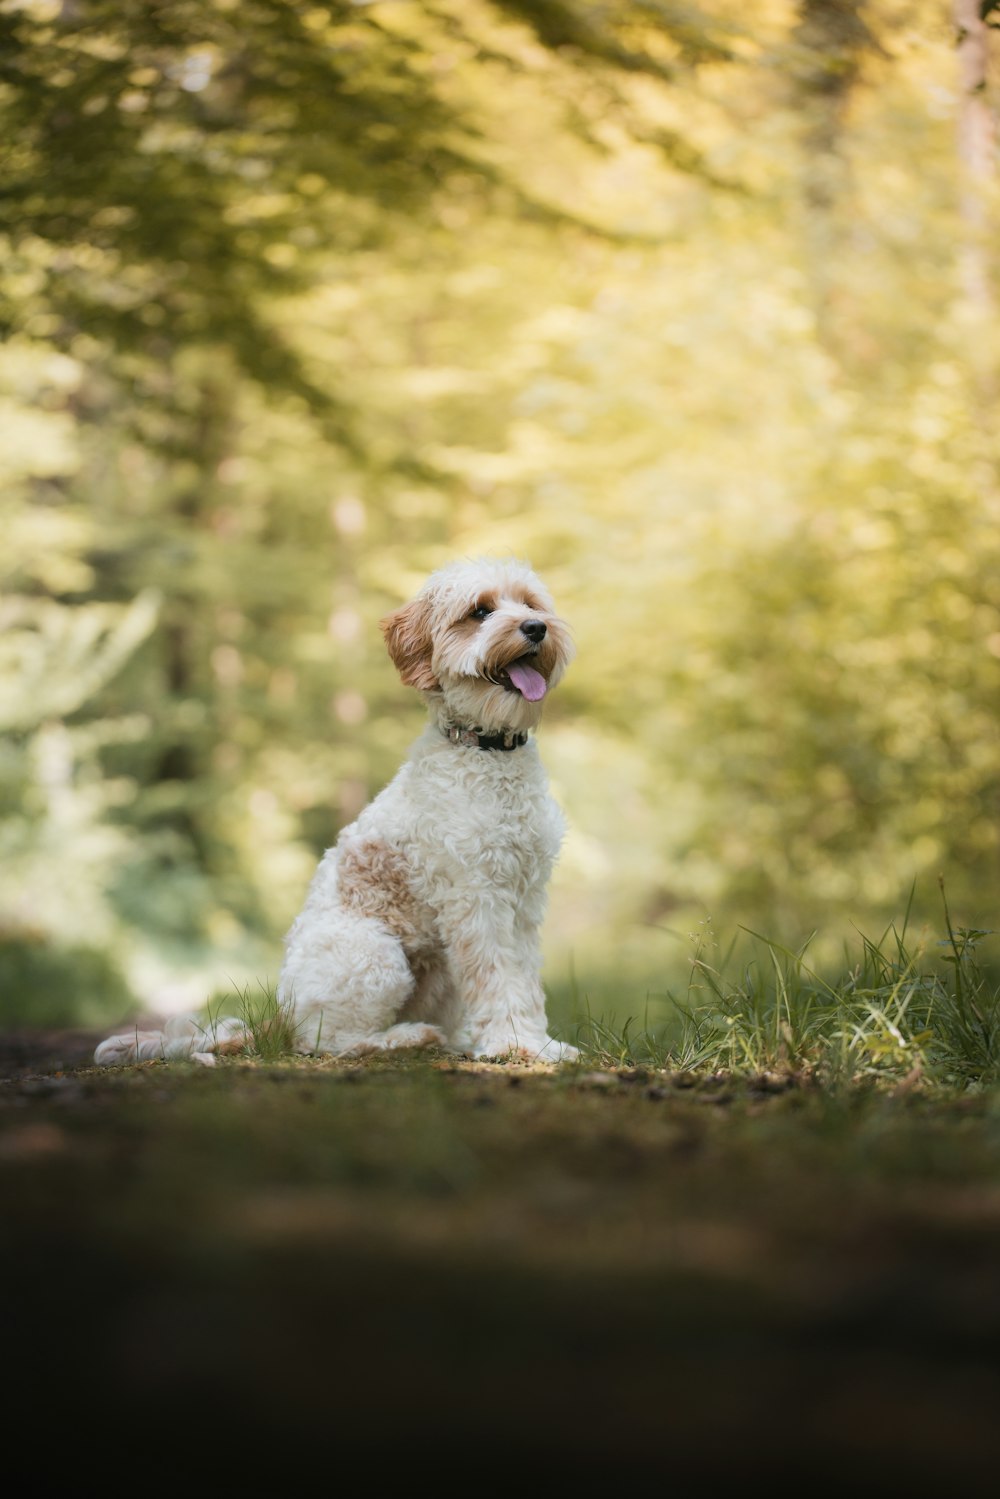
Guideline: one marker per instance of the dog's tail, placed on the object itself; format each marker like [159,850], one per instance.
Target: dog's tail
[182,1038]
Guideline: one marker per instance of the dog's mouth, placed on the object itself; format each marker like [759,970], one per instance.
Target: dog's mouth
[521,677]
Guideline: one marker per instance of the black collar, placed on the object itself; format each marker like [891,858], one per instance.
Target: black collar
[507,741]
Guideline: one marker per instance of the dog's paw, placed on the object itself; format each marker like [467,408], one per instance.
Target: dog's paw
[413,1033]
[408,1033]
[507,1050]
[119,1051]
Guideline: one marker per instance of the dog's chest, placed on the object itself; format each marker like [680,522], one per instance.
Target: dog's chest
[472,810]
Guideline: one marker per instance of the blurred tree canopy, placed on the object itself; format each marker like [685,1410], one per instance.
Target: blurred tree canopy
[300,300]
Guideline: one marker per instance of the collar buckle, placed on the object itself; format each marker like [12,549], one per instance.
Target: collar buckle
[509,740]
[462,736]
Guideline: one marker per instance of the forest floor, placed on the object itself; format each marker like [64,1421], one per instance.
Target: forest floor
[641,1271]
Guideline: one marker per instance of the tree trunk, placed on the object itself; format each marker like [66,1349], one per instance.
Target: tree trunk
[832,38]
[977,149]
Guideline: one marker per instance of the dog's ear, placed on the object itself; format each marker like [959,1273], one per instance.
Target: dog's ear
[407,634]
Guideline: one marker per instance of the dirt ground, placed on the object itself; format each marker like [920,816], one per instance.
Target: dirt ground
[23,1052]
[632,1274]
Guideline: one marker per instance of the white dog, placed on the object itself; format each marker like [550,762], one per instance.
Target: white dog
[421,926]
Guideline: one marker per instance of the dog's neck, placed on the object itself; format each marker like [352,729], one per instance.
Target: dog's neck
[471,720]
[510,739]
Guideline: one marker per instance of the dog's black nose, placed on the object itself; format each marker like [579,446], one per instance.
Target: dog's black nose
[534,629]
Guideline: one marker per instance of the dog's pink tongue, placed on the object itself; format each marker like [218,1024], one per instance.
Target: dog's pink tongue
[529,682]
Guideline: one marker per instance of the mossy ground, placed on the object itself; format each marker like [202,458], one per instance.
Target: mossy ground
[692,1271]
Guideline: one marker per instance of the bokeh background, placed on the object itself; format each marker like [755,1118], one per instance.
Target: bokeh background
[692,306]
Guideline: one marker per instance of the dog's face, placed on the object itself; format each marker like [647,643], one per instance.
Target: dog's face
[486,637]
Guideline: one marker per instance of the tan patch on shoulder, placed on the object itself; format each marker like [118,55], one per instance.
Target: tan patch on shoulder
[374,880]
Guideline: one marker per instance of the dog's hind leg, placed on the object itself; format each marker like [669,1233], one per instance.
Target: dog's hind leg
[347,981]
[423,1021]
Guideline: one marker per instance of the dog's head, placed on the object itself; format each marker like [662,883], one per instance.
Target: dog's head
[485,637]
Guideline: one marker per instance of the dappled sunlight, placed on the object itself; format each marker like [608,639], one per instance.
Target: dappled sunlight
[695,312]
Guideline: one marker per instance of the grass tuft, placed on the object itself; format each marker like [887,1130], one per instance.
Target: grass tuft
[268,1022]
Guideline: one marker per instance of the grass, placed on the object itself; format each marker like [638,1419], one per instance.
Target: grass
[268,1022]
[896,1014]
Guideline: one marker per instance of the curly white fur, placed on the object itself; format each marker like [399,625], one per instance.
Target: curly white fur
[421,926]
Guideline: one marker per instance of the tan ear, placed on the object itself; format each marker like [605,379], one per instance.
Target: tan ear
[407,634]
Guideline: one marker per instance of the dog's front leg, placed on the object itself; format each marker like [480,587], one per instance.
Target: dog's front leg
[494,966]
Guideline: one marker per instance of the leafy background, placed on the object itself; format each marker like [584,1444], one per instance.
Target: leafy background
[693,307]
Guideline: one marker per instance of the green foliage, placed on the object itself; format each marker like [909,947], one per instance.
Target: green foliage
[52,984]
[176,163]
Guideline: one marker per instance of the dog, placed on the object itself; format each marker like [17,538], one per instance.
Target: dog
[421,926]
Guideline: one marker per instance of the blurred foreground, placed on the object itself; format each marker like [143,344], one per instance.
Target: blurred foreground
[268,1267]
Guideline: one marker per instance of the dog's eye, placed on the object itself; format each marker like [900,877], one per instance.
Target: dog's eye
[480,611]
